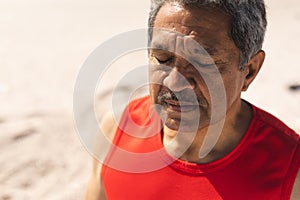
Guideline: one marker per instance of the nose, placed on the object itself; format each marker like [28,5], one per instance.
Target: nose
[176,82]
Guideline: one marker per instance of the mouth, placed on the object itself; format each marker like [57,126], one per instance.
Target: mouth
[183,102]
[182,107]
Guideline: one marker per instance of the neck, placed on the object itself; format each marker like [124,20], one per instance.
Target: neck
[223,137]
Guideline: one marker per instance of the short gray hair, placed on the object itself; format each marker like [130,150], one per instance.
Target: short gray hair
[248,22]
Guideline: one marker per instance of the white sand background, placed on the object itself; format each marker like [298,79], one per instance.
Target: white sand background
[42,46]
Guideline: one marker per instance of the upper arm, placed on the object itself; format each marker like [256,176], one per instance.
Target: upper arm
[296,189]
[95,189]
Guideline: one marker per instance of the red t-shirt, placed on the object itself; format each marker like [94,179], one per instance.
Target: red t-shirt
[262,166]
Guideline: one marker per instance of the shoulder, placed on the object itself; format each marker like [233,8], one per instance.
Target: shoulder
[137,109]
[271,124]
[139,106]
[108,125]
[284,145]
[274,136]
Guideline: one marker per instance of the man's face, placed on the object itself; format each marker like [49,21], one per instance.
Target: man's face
[184,78]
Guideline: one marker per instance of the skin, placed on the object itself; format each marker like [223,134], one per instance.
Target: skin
[95,189]
[209,27]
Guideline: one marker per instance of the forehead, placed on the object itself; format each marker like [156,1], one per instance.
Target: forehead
[192,16]
[208,26]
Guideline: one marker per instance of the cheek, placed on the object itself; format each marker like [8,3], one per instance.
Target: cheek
[154,90]
[233,86]
[156,74]
[208,86]
[156,78]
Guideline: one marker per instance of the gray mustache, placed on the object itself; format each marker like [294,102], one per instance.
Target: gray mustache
[178,96]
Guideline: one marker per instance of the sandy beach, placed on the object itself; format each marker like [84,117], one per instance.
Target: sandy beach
[43,45]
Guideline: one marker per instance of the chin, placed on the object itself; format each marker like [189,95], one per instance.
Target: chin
[182,125]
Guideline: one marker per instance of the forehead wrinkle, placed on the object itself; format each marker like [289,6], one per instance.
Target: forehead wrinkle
[193,34]
[169,41]
[224,19]
[190,17]
[177,45]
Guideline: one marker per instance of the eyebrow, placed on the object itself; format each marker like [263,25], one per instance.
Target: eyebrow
[211,50]
[158,46]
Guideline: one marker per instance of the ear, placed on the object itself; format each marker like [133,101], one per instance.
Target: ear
[252,68]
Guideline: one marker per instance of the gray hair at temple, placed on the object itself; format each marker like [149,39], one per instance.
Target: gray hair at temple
[248,23]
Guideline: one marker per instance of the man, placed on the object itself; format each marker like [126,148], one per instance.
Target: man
[211,144]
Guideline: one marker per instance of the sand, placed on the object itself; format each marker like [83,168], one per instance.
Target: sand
[43,45]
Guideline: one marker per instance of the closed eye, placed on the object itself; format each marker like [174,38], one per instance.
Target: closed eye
[200,64]
[164,61]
